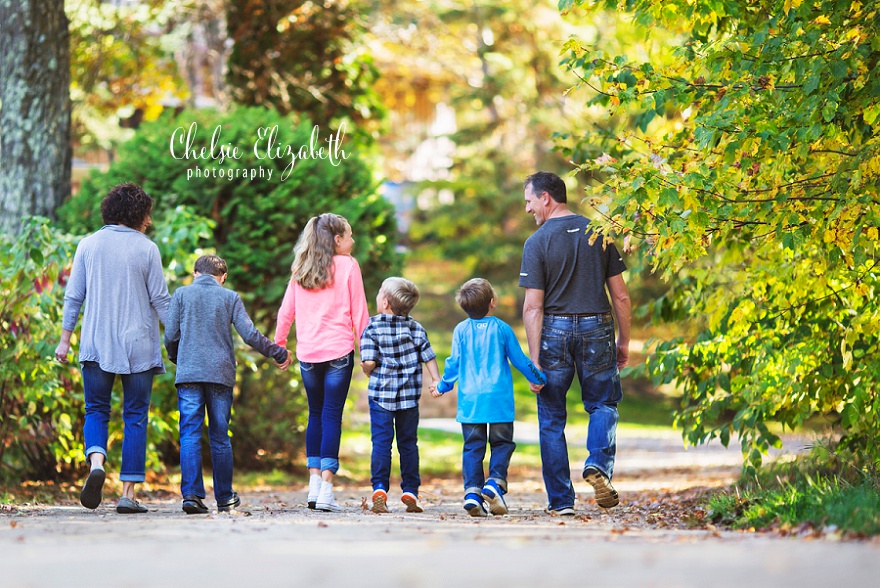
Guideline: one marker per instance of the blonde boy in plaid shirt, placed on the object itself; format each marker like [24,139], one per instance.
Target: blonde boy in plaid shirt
[393,347]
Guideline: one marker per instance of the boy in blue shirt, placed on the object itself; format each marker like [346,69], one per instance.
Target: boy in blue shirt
[482,345]
[393,347]
[199,340]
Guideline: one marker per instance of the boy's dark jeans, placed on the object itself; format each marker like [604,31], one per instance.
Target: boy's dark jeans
[382,426]
[500,438]
[192,400]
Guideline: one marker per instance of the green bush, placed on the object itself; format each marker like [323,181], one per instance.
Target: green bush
[255,225]
[41,404]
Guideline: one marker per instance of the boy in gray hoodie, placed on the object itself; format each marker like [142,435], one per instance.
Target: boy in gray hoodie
[199,340]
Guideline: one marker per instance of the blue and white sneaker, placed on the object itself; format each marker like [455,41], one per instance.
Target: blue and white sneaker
[494,496]
[473,504]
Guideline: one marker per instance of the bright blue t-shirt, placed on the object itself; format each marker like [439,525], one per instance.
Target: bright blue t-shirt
[481,349]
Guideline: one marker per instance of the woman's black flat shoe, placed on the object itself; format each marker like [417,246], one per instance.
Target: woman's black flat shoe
[91,494]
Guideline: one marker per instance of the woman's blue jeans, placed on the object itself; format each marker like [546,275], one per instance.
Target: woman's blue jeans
[136,391]
[326,385]
[383,424]
[192,400]
[586,346]
[500,438]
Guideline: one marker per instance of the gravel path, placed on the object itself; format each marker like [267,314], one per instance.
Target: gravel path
[656,537]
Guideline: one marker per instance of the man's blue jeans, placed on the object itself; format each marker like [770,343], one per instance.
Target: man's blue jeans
[383,424]
[326,385]
[500,438]
[136,390]
[192,399]
[586,346]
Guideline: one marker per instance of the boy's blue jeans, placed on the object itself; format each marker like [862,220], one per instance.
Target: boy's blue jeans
[192,400]
[500,438]
[582,345]
[326,385]
[136,390]
[383,424]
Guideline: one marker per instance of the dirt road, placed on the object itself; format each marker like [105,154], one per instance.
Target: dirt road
[274,540]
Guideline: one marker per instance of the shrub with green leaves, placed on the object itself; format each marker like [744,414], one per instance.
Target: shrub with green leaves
[41,404]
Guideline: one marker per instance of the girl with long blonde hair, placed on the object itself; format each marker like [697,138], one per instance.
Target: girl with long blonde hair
[325,297]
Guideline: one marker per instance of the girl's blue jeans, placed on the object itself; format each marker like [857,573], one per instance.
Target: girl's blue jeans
[326,386]
[500,438]
[383,424]
[192,400]
[136,391]
[584,346]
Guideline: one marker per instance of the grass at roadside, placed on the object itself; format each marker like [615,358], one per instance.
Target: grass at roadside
[819,493]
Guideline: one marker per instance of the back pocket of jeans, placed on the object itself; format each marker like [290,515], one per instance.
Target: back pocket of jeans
[552,352]
[599,353]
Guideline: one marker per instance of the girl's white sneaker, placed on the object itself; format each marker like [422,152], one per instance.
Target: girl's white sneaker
[325,501]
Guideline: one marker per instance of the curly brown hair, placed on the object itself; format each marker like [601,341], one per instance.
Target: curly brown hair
[126,204]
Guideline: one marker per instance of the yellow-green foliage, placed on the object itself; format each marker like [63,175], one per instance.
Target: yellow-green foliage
[745,168]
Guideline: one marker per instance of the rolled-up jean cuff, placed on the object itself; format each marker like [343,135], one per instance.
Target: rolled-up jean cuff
[313,463]
[95,449]
[473,490]
[131,477]
[329,463]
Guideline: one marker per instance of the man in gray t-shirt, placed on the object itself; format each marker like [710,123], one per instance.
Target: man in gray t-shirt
[570,329]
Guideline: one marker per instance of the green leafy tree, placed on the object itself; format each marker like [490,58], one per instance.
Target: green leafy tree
[34,110]
[303,57]
[503,83]
[750,182]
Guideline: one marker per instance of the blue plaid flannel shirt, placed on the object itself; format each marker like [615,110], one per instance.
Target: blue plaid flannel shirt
[399,346]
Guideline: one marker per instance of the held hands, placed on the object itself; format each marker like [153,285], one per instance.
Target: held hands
[433,389]
[536,388]
[283,366]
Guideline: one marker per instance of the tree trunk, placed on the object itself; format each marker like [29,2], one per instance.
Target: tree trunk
[35,148]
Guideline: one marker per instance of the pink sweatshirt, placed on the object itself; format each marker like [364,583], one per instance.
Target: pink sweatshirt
[328,321]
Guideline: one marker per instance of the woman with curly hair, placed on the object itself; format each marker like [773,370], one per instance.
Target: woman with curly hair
[117,276]
[326,298]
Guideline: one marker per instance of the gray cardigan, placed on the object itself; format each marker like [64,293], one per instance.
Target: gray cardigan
[198,336]
[117,274]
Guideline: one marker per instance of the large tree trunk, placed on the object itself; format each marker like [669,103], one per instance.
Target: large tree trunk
[35,110]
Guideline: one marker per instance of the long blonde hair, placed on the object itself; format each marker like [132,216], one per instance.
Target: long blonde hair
[312,266]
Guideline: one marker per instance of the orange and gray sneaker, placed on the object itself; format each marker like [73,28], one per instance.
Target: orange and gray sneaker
[412,502]
[606,495]
[380,502]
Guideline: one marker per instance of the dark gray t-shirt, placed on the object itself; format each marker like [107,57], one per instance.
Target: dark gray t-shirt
[559,260]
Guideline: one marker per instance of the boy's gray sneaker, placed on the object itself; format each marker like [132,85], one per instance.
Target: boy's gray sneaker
[606,495]
[561,512]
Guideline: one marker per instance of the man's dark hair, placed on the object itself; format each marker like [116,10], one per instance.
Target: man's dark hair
[474,297]
[549,182]
[210,265]
[126,204]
